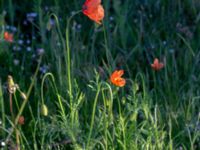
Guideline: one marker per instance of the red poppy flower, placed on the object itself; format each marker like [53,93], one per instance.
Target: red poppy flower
[94,10]
[8,36]
[116,79]
[157,65]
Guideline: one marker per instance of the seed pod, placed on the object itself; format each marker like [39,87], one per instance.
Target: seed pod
[44,110]
[21,120]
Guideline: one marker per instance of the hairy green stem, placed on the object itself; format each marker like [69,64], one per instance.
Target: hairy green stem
[69,61]
[56,90]
[93,114]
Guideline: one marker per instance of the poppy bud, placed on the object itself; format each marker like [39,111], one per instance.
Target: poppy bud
[44,110]
[21,120]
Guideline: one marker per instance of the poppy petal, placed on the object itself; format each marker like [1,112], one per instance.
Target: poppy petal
[116,79]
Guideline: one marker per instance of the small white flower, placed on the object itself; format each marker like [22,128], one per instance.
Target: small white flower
[3,144]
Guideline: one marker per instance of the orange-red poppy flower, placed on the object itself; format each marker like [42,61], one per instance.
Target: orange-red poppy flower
[8,36]
[157,65]
[116,79]
[94,10]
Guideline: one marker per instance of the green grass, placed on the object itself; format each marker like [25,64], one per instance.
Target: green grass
[72,104]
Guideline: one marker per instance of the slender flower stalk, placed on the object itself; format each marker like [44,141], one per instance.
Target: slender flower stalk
[69,59]
[25,101]
[93,115]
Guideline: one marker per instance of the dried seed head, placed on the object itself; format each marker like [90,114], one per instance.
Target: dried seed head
[44,110]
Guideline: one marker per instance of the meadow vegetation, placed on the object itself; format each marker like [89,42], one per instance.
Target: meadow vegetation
[70,82]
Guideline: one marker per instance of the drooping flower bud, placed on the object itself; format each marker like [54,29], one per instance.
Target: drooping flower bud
[44,110]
